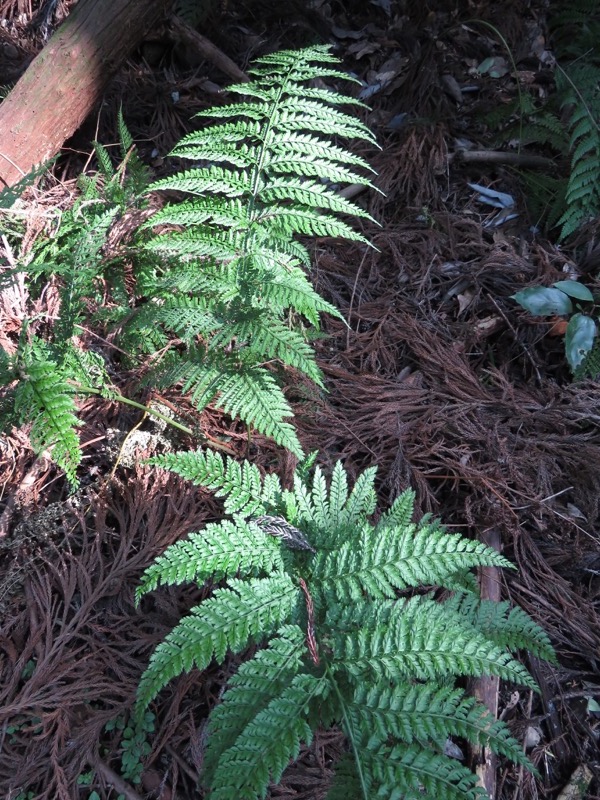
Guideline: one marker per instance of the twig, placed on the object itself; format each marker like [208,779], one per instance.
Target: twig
[524,346]
[207,49]
[115,781]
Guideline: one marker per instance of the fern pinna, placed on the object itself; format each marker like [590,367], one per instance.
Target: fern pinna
[341,640]
[231,283]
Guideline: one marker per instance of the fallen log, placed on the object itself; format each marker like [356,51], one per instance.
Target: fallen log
[65,81]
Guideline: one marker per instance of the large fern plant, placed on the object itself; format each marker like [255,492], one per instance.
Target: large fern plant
[214,292]
[343,639]
[230,288]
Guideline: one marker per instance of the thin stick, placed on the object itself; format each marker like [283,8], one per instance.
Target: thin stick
[112,779]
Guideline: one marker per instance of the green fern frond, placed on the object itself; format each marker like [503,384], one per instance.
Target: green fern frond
[506,626]
[221,211]
[363,499]
[419,640]
[45,398]
[413,772]
[269,339]
[268,743]
[272,175]
[545,128]
[379,561]
[302,221]
[401,511]
[235,385]
[239,484]
[188,317]
[338,496]
[381,669]
[579,86]
[294,145]
[428,714]
[203,181]
[294,291]
[243,612]
[104,162]
[256,683]
[220,551]
[207,242]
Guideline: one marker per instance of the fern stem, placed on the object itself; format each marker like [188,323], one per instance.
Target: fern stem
[127,401]
[349,734]
[140,406]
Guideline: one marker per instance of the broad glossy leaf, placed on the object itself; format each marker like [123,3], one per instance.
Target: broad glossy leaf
[579,338]
[574,289]
[544,301]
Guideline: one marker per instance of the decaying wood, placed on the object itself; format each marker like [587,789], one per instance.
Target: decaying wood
[65,81]
[502,157]
[578,784]
[486,688]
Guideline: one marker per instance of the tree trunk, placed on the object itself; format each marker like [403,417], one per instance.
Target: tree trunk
[64,82]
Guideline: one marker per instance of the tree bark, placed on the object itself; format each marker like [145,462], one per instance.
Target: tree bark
[65,81]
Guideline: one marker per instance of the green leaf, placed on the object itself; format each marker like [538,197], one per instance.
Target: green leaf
[416,639]
[413,772]
[579,338]
[429,714]
[544,301]
[257,682]
[574,289]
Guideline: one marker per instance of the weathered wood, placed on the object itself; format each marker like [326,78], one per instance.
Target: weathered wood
[487,688]
[65,81]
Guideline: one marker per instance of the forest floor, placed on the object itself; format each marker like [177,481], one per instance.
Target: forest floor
[440,379]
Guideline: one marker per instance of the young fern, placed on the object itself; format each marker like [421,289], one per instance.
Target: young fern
[233,285]
[41,378]
[338,643]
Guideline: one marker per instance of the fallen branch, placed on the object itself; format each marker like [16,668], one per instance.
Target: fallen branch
[207,50]
[66,80]
[500,157]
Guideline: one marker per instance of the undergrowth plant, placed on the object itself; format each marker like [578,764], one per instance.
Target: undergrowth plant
[213,295]
[348,627]
[581,340]
[567,121]
[48,368]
